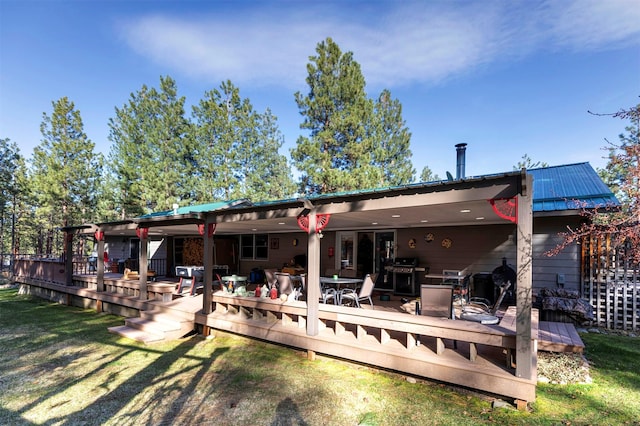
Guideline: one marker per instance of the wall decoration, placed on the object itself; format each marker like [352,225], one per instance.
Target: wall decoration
[412,243]
[295,242]
[275,243]
[429,237]
[447,243]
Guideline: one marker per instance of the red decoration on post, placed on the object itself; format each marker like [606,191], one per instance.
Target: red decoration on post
[99,235]
[506,208]
[210,231]
[322,220]
[142,233]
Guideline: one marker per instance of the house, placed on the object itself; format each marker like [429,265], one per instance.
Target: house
[355,243]
[467,224]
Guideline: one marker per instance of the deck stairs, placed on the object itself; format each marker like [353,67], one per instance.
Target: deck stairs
[162,323]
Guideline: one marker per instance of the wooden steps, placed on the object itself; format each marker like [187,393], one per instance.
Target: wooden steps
[161,323]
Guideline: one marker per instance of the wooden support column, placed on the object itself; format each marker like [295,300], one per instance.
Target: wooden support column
[313,278]
[68,260]
[100,264]
[142,262]
[526,357]
[209,228]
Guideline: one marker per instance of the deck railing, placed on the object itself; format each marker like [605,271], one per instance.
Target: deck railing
[454,351]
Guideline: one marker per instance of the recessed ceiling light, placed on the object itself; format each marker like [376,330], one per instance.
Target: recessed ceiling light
[465,211]
[424,221]
[254,229]
[374,223]
[280,223]
[480,218]
[395,215]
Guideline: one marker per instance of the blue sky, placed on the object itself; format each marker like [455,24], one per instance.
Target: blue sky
[506,77]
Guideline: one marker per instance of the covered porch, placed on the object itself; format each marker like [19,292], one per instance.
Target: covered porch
[489,358]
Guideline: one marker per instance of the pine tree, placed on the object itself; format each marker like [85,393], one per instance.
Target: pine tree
[152,155]
[352,143]
[65,173]
[237,150]
[391,139]
[10,163]
[427,175]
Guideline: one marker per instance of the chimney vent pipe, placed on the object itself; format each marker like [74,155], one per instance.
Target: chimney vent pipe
[461,149]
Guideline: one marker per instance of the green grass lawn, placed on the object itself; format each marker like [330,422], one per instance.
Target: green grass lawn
[60,366]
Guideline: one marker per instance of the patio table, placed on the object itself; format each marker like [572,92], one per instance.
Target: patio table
[338,282]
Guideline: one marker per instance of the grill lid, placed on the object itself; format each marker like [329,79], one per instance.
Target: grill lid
[406,261]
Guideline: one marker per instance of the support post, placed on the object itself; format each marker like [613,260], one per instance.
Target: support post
[142,265]
[313,275]
[100,266]
[68,260]
[526,357]
[208,266]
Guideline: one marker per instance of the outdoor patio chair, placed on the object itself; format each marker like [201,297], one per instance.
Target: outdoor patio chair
[217,282]
[328,294]
[285,285]
[436,300]
[270,275]
[352,296]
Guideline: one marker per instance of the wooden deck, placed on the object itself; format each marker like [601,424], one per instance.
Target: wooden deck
[552,336]
[460,352]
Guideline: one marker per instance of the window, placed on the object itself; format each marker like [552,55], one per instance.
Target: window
[254,247]
[345,261]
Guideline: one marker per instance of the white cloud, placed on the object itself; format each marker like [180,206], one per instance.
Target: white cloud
[396,43]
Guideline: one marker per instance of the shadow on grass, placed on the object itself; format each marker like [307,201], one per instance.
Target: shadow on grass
[287,413]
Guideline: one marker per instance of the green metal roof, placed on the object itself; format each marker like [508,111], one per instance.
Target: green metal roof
[199,208]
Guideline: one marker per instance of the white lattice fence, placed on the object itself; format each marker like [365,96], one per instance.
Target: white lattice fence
[611,284]
[617,305]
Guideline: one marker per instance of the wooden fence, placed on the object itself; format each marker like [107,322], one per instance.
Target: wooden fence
[611,284]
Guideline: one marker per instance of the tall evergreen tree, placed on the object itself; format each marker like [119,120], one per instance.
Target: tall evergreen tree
[152,156]
[10,160]
[391,138]
[237,150]
[65,173]
[352,143]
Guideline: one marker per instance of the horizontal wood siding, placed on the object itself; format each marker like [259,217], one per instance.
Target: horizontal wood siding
[474,249]
[546,268]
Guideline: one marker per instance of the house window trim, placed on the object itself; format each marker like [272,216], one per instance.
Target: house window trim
[254,247]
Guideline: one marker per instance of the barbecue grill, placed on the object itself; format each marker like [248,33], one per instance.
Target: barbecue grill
[405,276]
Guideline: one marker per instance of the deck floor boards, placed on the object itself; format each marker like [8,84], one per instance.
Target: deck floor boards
[552,336]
